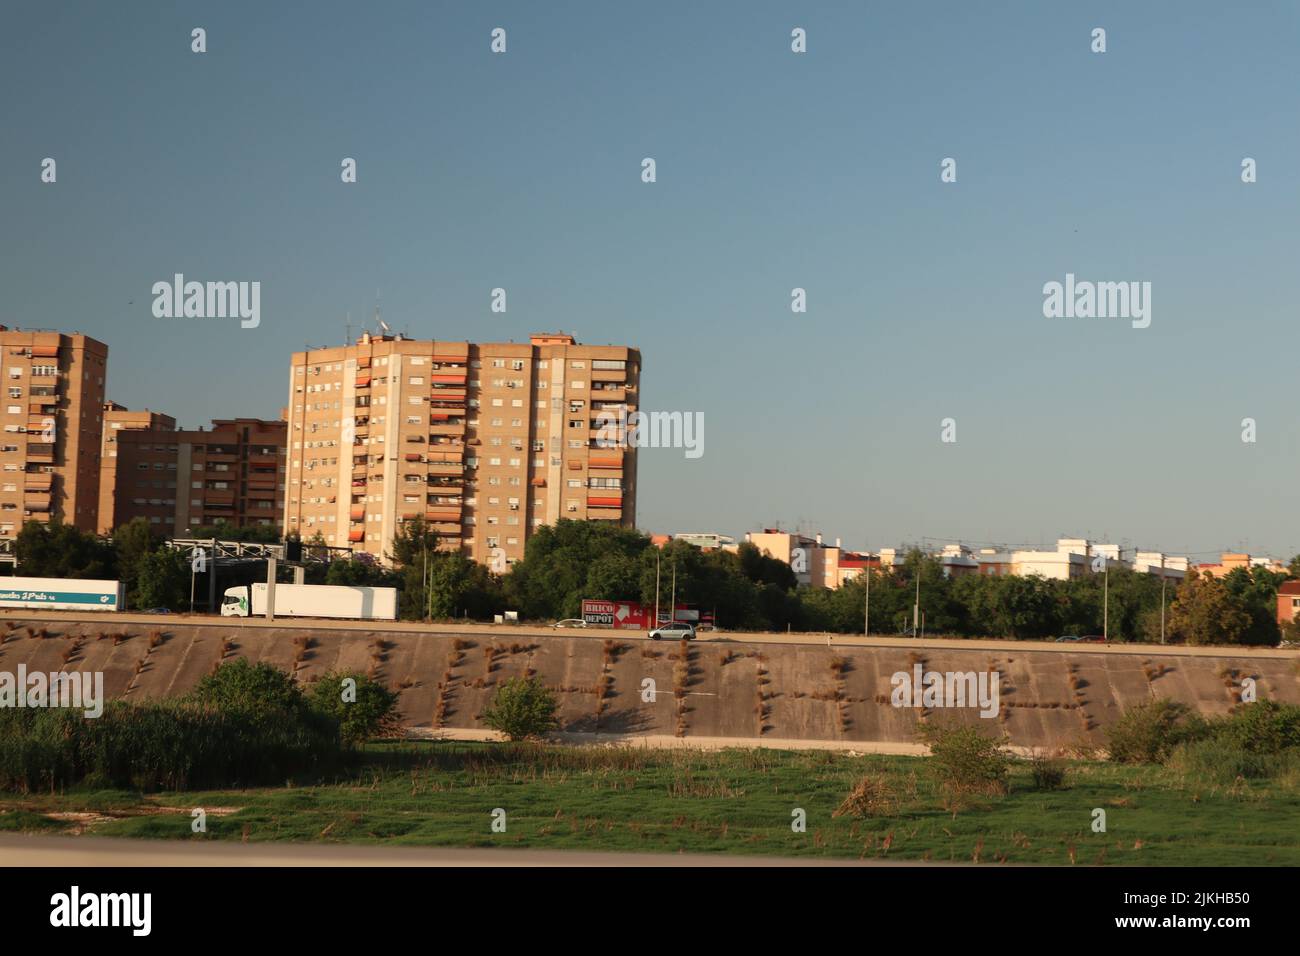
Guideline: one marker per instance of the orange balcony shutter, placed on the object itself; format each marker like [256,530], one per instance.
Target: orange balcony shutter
[575,466]
[358,535]
[359,514]
[605,502]
[363,381]
[45,351]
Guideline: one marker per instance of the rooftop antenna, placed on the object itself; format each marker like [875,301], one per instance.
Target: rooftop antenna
[348,340]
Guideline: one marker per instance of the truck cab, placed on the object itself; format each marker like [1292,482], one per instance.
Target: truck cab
[235,602]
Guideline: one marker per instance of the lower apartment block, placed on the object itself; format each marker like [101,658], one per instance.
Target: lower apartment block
[184,479]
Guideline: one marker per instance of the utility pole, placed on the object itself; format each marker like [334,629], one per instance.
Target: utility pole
[866,613]
[916,608]
[673,610]
[1162,598]
[658,555]
[1105,601]
[270,589]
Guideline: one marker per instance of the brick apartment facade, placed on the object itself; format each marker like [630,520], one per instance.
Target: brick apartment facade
[185,479]
[49,454]
[487,441]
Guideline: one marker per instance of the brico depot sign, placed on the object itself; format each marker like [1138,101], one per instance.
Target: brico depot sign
[630,614]
[627,614]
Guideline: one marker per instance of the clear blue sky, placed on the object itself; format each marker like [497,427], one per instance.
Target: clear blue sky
[775,170]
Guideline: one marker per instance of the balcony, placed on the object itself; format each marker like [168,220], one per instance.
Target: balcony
[450,468]
[443,514]
[447,428]
[40,452]
[605,501]
[609,375]
[606,461]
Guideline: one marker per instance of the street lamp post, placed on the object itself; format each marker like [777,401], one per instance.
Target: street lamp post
[1162,599]
[866,613]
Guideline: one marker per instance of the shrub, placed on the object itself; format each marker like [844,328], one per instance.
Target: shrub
[244,686]
[967,762]
[870,797]
[1264,727]
[521,708]
[1048,774]
[1149,732]
[362,711]
[1218,761]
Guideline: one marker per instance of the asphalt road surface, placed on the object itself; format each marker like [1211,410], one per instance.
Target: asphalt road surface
[72,851]
[602,633]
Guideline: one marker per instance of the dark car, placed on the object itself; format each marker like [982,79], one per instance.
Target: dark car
[1093,639]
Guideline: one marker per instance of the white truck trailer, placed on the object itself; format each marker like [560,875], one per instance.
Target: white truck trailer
[312,600]
[61,594]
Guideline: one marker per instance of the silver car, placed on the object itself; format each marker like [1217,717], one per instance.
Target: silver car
[674,631]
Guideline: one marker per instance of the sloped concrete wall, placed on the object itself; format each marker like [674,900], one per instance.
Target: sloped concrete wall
[1049,698]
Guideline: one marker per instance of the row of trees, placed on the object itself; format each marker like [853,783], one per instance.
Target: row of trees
[572,560]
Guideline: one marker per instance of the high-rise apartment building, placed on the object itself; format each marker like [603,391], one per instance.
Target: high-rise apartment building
[49,452]
[186,479]
[128,454]
[486,442]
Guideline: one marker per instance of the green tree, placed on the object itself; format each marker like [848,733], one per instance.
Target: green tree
[133,542]
[1206,612]
[553,577]
[363,708]
[60,550]
[163,580]
[522,707]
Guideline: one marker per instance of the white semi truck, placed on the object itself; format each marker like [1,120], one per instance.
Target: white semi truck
[312,600]
[61,594]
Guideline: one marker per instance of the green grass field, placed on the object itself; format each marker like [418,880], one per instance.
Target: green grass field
[732,802]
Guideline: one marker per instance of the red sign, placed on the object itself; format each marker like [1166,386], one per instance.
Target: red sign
[634,615]
[627,614]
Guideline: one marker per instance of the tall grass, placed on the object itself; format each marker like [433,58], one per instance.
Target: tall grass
[163,746]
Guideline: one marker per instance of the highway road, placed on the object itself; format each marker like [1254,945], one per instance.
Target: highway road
[82,851]
[600,633]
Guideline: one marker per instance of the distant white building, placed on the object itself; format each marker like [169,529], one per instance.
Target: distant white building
[708,539]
